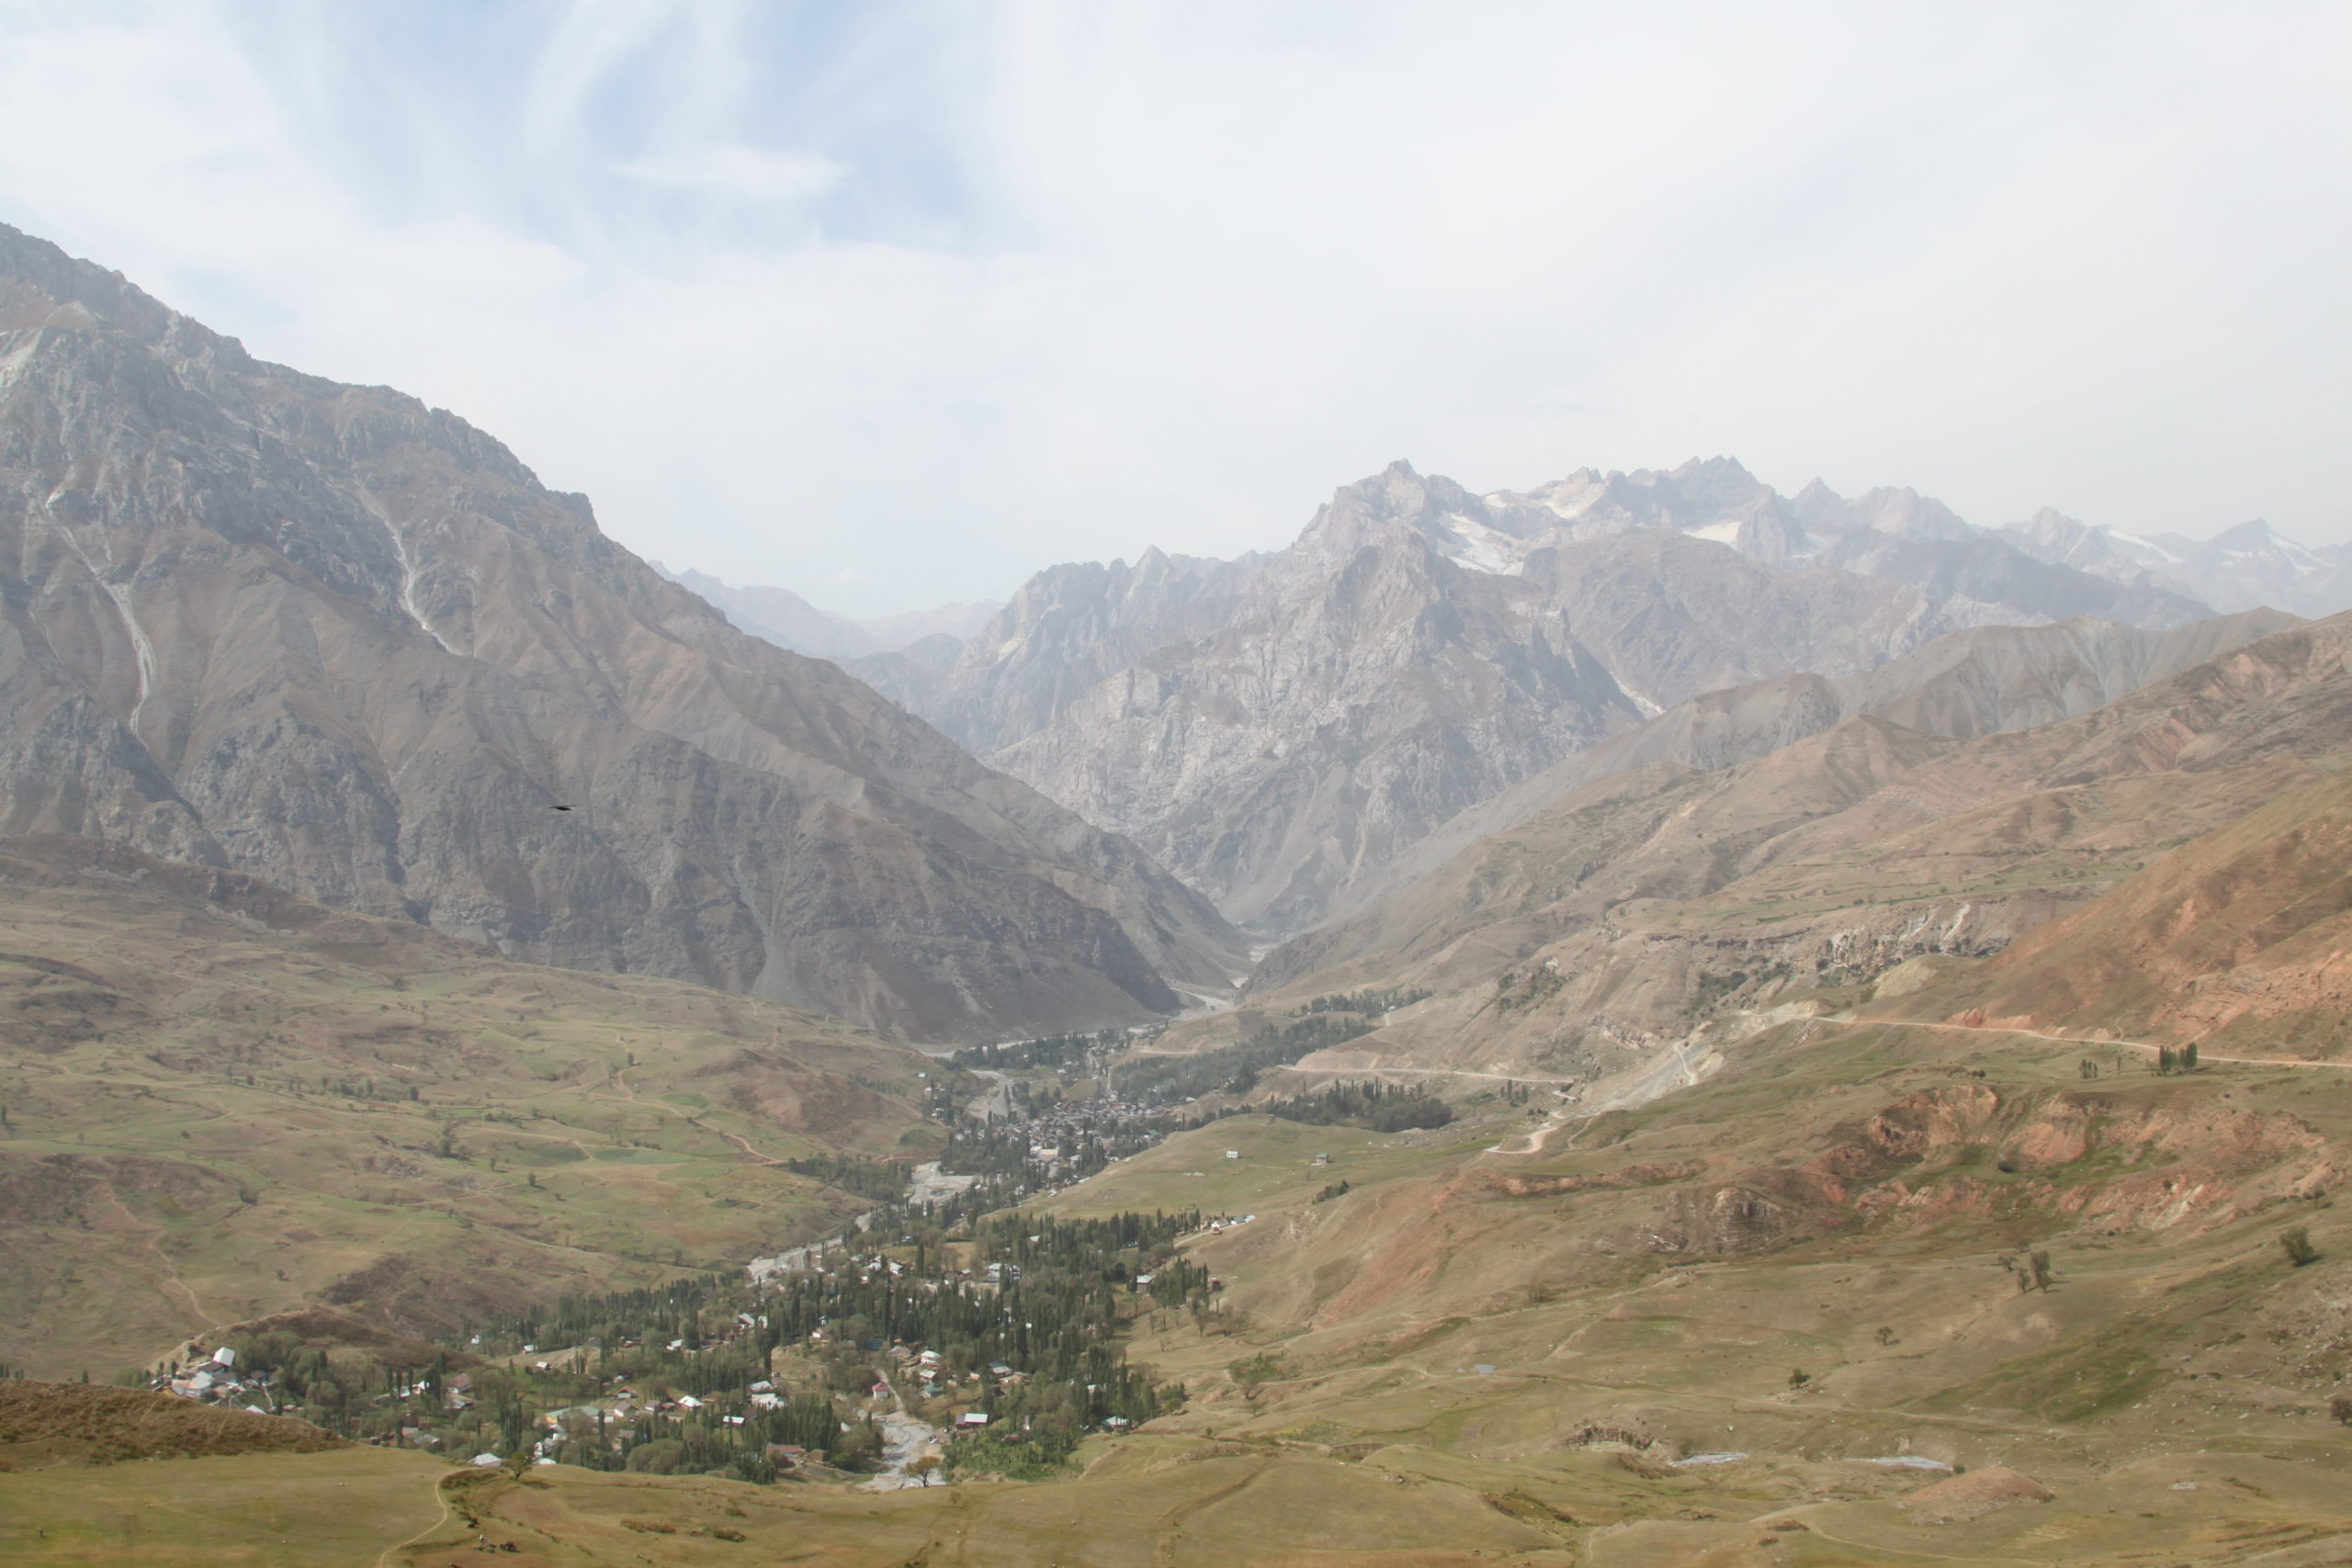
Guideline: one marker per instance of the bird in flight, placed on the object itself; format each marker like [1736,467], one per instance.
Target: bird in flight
[558,809]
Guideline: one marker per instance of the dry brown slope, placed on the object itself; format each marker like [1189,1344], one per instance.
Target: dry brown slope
[1959,686]
[2239,940]
[44,1424]
[1654,900]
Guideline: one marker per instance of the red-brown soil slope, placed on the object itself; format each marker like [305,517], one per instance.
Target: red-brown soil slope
[2240,940]
[44,1424]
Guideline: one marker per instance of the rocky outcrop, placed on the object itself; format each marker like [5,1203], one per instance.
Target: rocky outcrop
[1067,628]
[331,636]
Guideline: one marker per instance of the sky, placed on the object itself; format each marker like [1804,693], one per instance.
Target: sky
[892,302]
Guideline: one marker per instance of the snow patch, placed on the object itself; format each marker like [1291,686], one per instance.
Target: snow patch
[1480,548]
[408,574]
[2137,543]
[143,650]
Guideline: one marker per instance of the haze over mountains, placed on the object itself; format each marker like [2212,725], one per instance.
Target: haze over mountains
[1280,729]
[787,620]
[331,638]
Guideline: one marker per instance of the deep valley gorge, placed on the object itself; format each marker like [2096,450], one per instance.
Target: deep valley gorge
[1636,1022]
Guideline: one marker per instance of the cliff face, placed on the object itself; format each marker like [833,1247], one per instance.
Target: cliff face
[332,638]
[1067,628]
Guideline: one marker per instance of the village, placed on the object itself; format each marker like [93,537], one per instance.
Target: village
[945,1331]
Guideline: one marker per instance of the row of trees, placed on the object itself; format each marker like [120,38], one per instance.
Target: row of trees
[1054,1050]
[1370,1002]
[1233,1069]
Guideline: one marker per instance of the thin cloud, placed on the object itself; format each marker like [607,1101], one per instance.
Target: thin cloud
[745,174]
[903,301]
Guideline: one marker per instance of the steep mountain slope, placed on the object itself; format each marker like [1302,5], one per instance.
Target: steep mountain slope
[1067,628]
[2241,940]
[327,635]
[1364,688]
[1962,685]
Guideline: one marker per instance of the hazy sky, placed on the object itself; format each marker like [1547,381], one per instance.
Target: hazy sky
[892,303]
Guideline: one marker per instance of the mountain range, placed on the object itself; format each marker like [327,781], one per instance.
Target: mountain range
[2241,568]
[1279,730]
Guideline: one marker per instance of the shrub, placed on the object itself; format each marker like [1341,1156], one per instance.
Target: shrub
[660,1457]
[1267,1368]
[2297,1245]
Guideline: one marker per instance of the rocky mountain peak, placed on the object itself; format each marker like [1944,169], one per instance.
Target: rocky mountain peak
[2255,534]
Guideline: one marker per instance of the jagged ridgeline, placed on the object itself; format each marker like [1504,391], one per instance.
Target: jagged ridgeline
[331,638]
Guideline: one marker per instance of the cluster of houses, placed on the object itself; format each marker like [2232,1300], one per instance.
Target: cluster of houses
[213,1379]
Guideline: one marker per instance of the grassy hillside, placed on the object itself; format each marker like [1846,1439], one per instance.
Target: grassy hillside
[1490,1352]
[1495,1348]
[221,1102]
